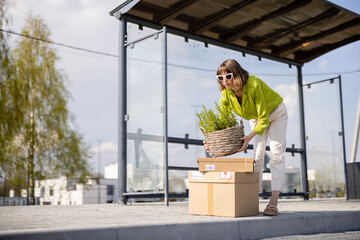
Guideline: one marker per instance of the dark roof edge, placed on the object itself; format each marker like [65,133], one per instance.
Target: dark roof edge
[341,8]
[211,41]
[123,8]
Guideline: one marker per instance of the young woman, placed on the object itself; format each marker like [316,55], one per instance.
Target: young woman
[250,98]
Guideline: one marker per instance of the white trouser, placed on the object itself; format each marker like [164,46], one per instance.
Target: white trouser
[277,134]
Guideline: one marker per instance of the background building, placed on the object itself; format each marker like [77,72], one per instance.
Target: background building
[63,191]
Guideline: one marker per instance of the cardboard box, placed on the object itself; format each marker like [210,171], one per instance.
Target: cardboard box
[226,164]
[226,194]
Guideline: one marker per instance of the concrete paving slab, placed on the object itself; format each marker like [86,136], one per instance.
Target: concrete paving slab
[353,235]
[156,221]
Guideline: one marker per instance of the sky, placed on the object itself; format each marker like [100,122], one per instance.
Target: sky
[93,81]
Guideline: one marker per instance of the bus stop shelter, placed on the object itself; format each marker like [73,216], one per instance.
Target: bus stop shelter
[289,32]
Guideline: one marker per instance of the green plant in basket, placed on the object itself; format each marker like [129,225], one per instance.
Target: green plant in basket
[209,121]
[221,130]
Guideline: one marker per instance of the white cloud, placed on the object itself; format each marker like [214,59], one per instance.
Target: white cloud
[323,64]
[54,4]
[106,147]
[290,95]
[108,154]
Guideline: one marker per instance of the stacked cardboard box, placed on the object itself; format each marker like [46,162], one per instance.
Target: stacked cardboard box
[226,164]
[225,187]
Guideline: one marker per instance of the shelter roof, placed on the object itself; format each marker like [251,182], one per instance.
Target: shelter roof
[295,30]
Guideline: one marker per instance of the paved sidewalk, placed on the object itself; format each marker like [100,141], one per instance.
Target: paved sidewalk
[354,235]
[155,221]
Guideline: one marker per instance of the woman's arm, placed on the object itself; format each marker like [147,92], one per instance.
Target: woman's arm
[262,114]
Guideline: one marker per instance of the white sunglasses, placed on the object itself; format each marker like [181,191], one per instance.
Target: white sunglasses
[227,76]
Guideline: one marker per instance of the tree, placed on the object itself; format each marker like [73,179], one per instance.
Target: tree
[44,145]
[10,101]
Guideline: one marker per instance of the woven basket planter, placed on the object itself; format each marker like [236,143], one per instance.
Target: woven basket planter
[225,142]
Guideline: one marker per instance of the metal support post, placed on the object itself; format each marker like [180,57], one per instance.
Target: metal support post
[164,57]
[304,175]
[4,189]
[356,135]
[99,175]
[343,138]
[121,198]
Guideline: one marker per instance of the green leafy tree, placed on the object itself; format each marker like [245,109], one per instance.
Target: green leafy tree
[10,100]
[45,145]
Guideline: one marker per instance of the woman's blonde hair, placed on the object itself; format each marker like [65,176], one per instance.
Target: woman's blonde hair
[240,75]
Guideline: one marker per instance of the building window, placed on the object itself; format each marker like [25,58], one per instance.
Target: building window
[110,190]
[71,185]
[42,192]
[51,191]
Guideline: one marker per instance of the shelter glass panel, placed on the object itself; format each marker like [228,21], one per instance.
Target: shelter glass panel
[178,182]
[324,140]
[145,125]
[192,68]
[180,156]
[135,31]
[191,71]
[293,183]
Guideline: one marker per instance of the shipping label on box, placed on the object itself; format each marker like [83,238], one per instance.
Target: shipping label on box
[196,175]
[209,167]
[225,175]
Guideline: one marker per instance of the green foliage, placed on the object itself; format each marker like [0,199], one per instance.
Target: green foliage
[10,116]
[210,121]
[42,144]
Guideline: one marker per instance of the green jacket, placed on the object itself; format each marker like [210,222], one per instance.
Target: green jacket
[258,101]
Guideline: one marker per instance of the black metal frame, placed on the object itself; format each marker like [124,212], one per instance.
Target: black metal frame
[140,195]
[342,126]
[122,113]
[123,196]
[186,141]
[304,177]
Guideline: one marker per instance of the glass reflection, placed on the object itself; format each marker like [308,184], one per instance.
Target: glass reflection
[191,83]
[145,144]
[324,140]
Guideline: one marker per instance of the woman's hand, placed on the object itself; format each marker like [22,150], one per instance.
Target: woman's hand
[246,140]
[207,149]
[206,146]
